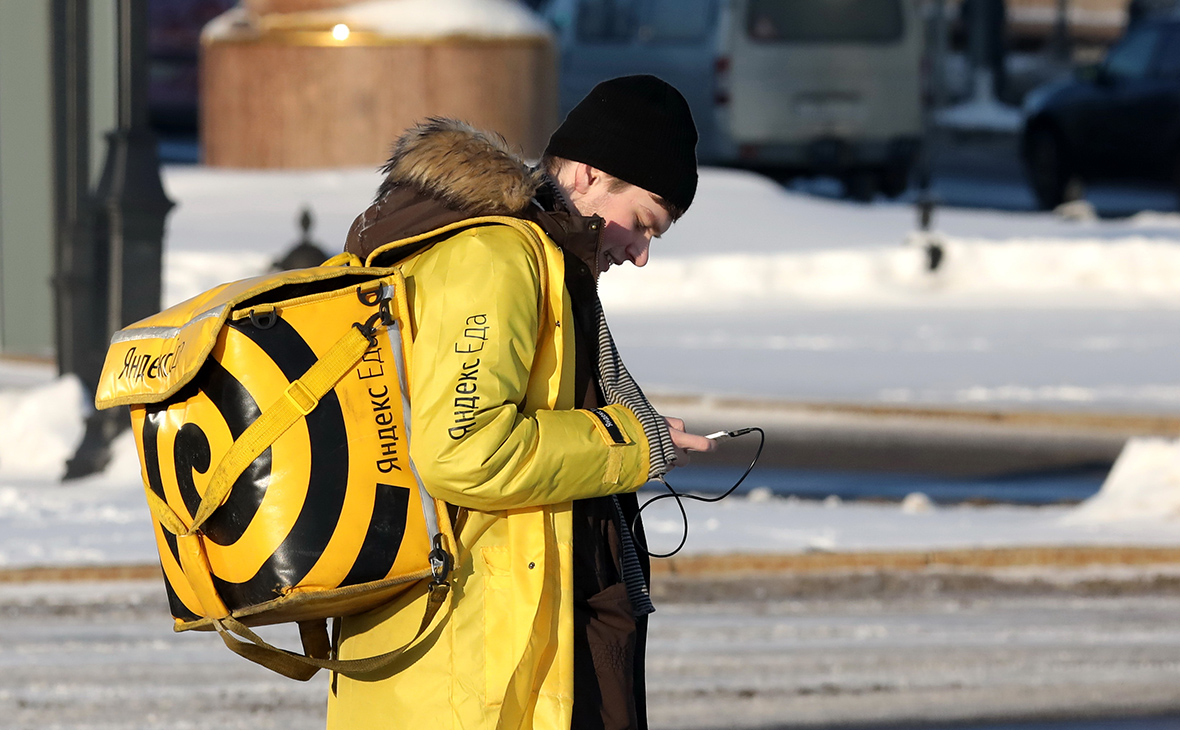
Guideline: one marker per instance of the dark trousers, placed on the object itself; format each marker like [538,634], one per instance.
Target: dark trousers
[608,640]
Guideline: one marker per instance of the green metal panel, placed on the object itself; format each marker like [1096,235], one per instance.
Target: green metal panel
[104,92]
[26,179]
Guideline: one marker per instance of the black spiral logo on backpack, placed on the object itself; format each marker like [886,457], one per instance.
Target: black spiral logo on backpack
[319,514]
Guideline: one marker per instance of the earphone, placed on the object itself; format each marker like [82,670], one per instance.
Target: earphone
[717,436]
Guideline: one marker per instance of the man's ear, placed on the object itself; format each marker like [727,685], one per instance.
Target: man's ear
[584,177]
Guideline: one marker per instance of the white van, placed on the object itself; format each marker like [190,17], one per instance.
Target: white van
[790,87]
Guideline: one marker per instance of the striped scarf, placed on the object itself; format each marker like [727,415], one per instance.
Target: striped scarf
[618,387]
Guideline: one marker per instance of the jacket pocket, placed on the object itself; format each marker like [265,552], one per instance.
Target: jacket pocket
[499,634]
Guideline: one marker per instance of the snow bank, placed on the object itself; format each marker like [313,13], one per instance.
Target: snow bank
[40,429]
[1144,485]
[981,116]
[1133,271]
[734,212]
[187,273]
[1154,219]
[417,19]
[440,18]
[792,525]
[1129,272]
[100,520]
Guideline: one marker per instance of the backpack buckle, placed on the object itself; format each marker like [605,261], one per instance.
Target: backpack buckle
[301,397]
[440,562]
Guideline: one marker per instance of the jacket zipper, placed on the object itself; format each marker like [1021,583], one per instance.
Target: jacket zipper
[596,226]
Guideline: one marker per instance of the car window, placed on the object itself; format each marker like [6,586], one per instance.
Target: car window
[1131,58]
[676,21]
[832,21]
[1168,63]
[606,21]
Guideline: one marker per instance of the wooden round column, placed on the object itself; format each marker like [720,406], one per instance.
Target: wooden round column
[278,91]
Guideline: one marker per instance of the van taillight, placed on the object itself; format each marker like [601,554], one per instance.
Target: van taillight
[721,81]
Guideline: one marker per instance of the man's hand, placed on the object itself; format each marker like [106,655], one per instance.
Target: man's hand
[686,442]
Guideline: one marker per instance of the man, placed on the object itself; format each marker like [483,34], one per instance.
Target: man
[523,416]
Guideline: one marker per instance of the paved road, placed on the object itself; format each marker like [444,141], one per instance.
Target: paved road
[819,663]
[101,655]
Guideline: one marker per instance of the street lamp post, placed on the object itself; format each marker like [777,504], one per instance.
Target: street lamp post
[130,208]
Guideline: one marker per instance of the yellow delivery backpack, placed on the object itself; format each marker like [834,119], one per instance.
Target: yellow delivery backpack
[272,420]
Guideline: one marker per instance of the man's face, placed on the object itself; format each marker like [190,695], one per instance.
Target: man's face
[632,218]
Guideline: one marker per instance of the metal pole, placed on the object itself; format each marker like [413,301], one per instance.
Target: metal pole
[1061,44]
[74,291]
[939,40]
[935,29]
[130,208]
[130,194]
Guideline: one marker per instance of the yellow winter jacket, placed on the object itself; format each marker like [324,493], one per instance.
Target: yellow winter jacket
[494,433]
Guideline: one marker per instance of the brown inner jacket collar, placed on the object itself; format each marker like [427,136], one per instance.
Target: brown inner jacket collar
[405,212]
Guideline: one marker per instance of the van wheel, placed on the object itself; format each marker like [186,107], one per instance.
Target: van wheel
[1046,169]
[860,185]
[894,179]
[1176,180]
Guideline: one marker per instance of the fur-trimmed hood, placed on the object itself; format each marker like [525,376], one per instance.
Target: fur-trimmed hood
[440,172]
[461,166]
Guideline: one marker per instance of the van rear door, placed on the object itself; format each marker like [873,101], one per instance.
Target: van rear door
[805,70]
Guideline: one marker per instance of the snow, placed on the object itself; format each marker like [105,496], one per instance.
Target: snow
[785,250]
[41,428]
[416,19]
[916,503]
[95,521]
[982,112]
[100,520]
[792,525]
[760,292]
[1142,487]
[1045,14]
[103,520]
[977,115]
[1021,272]
[437,18]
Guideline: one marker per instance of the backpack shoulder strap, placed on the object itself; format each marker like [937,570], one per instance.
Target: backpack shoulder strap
[317,648]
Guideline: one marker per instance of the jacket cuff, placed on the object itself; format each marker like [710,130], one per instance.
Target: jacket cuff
[628,452]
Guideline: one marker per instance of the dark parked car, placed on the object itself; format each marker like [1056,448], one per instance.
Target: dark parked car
[1119,120]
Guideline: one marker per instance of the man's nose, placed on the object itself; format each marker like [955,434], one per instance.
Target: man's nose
[639,251]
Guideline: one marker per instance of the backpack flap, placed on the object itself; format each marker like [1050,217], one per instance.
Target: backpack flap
[149,361]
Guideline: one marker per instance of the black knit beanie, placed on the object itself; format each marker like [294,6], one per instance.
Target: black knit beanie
[638,129]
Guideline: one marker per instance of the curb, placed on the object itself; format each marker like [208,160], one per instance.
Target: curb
[1121,424]
[64,574]
[1066,557]
[736,564]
